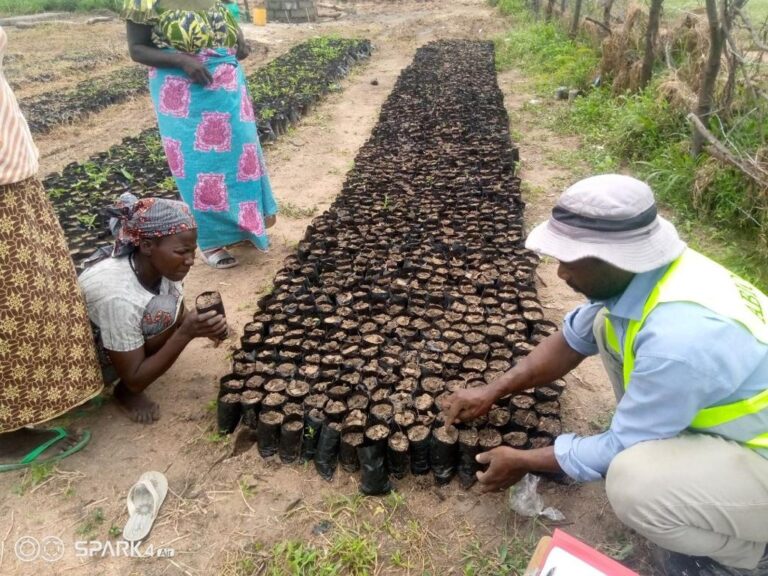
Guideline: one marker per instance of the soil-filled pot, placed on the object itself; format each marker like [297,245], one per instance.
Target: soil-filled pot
[326,457]
[290,440]
[418,437]
[231,384]
[398,461]
[268,433]
[374,480]
[443,453]
[251,403]
[313,422]
[468,450]
[350,442]
[207,301]
[228,413]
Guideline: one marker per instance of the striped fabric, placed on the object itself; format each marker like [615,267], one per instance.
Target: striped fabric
[18,153]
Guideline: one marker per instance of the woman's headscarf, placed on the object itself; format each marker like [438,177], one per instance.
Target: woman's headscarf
[134,220]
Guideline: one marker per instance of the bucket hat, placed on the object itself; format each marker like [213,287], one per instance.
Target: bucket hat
[611,217]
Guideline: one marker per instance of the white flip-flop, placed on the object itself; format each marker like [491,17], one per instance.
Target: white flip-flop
[144,501]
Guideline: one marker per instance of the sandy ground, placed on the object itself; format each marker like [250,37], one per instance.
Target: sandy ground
[223,495]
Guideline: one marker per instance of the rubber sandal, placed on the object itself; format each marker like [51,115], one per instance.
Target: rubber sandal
[215,258]
[144,501]
[32,457]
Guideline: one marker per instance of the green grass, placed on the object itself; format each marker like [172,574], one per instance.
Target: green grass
[756,9]
[544,51]
[507,559]
[357,535]
[18,7]
[717,209]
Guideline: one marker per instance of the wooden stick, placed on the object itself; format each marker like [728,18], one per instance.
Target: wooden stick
[719,151]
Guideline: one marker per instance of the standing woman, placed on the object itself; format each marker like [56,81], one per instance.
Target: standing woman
[206,118]
[48,361]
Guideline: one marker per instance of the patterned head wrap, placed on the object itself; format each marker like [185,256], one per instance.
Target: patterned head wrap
[136,219]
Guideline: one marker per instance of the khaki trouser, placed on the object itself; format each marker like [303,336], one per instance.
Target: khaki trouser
[695,494]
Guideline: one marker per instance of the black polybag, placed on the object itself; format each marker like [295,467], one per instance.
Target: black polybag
[326,457]
[374,479]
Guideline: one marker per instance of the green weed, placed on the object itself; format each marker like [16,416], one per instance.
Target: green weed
[216,438]
[88,220]
[91,524]
[36,474]
[291,210]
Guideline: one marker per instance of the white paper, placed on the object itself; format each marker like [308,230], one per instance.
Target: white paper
[566,564]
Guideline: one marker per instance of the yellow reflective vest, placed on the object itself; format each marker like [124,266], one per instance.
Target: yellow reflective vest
[695,278]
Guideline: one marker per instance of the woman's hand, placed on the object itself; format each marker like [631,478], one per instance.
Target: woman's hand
[207,325]
[195,69]
[243,49]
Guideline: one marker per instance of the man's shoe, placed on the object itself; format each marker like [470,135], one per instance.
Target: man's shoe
[676,564]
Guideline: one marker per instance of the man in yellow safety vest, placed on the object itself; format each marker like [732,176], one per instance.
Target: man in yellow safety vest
[685,345]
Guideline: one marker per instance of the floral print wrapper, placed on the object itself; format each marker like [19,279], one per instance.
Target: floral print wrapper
[211,141]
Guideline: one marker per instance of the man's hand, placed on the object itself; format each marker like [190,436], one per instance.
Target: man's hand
[208,325]
[467,404]
[506,466]
[196,70]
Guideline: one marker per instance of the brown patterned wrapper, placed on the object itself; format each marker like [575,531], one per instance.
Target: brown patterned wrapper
[41,376]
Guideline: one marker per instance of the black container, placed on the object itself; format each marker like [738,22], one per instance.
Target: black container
[268,433]
[374,480]
[228,413]
[418,437]
[327,455]
[398,461]
[290,440]
[313,423]
[350,442]
[211,300]
[443,453]
[467,465]
[250,401]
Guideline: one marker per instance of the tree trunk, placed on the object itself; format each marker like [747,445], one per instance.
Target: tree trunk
[607,13]
[562,7]
[536,8]
[727,15]
[576,18]
[550,9]
[711,70]
[654,16]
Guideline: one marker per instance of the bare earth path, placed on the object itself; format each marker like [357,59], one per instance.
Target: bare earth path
[223,496]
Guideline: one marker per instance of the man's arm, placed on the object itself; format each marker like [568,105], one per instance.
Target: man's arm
[553,358]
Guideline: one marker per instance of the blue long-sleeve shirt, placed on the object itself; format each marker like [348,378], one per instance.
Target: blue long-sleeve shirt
[686,358]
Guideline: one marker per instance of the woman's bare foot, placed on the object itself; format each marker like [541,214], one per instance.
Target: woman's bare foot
[138,407]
